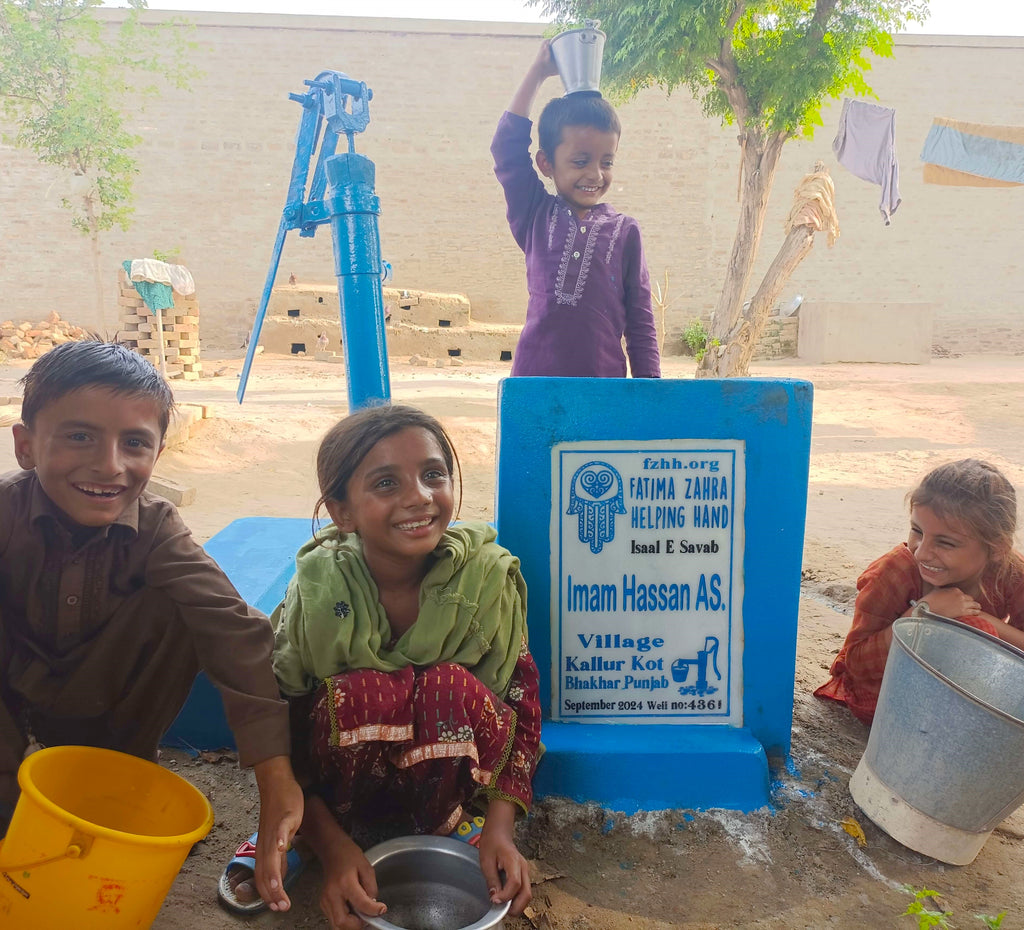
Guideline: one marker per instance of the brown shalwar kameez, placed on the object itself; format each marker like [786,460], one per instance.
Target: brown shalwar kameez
[102,632]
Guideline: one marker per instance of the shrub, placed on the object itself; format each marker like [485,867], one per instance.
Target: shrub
[696,338]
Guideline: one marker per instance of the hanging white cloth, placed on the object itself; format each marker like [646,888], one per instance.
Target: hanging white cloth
[152,269]
[866,146]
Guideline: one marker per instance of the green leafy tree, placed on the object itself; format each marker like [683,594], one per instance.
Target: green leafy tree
[763,66]
[66,82]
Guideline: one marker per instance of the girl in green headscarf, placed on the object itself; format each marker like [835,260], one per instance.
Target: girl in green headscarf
[408,639]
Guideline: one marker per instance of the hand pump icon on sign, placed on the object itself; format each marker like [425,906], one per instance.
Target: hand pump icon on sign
[681,669]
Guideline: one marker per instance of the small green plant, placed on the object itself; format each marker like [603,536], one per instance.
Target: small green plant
[170,256]
[925,899]
[926,917]
[696,338]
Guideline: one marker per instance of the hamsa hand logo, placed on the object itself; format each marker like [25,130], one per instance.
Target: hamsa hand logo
[595,495]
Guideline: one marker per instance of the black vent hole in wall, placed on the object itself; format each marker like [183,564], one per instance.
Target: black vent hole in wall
[294,313]
[444,324]
[298,347]
[506,355]
[454,353]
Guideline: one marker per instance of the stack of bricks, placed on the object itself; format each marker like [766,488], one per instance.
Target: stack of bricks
[139,331]
[30,340]
[778,338]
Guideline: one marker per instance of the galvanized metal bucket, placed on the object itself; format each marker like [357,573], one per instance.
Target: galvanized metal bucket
[578,54]
[941,768]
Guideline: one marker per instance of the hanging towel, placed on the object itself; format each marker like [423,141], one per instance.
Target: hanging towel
[181,280]
[154,295]
[973,154]
[866,146]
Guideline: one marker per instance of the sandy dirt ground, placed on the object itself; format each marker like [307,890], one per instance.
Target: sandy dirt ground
[877,428]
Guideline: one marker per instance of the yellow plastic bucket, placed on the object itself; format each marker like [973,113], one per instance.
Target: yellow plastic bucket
[96,840]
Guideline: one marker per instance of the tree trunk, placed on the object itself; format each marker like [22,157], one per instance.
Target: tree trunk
[795,248]
[97,265]
[760,158]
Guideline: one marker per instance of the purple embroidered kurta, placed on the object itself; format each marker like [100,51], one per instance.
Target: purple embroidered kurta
[587,278]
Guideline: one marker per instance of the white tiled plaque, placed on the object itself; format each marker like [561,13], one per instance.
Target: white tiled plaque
[647,581]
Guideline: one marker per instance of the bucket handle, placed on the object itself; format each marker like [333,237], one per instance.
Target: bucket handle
[77,848]
[588,35]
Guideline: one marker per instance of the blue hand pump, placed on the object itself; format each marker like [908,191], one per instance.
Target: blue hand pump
[335,105]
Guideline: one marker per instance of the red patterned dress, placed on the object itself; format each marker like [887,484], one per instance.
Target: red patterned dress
[412,747]
[885,592]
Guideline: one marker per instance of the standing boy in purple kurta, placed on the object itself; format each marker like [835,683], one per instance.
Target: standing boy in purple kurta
[585,267]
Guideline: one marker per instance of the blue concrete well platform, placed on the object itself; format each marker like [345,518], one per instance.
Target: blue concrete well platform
[555,432]
[639,768]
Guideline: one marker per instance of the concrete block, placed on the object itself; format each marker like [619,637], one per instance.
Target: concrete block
[865,332]
[177,494]
[724,767]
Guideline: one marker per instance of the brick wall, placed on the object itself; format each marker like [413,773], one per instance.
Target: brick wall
[778,339]
[215,165]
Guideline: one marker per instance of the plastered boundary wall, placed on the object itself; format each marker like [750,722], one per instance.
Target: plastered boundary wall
[214,167]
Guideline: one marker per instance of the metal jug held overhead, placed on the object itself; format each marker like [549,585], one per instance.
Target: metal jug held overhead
[577,54]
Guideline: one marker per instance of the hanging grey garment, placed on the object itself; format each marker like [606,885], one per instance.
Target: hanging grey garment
[866,146]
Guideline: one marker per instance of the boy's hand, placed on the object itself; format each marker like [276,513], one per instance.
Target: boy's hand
[542,68]
[498,853]
[544,64]
[281,805]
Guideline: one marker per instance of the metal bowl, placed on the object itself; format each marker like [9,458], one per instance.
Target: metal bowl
[432,883]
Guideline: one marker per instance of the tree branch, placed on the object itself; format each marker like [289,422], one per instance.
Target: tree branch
[823,10]
[730,26]
[728,71]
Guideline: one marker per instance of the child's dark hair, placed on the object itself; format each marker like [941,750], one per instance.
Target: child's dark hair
[579,109]
[91,363]
[349,441]
[976,496]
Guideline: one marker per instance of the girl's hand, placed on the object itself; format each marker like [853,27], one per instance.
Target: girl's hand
[951,602]
[349,886]
[498,853]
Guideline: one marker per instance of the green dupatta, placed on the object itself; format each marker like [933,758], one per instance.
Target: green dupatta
[472,611]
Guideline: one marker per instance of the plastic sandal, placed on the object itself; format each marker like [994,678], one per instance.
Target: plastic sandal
[245,856]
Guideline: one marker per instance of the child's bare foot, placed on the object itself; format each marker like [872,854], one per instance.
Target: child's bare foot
[237,888]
